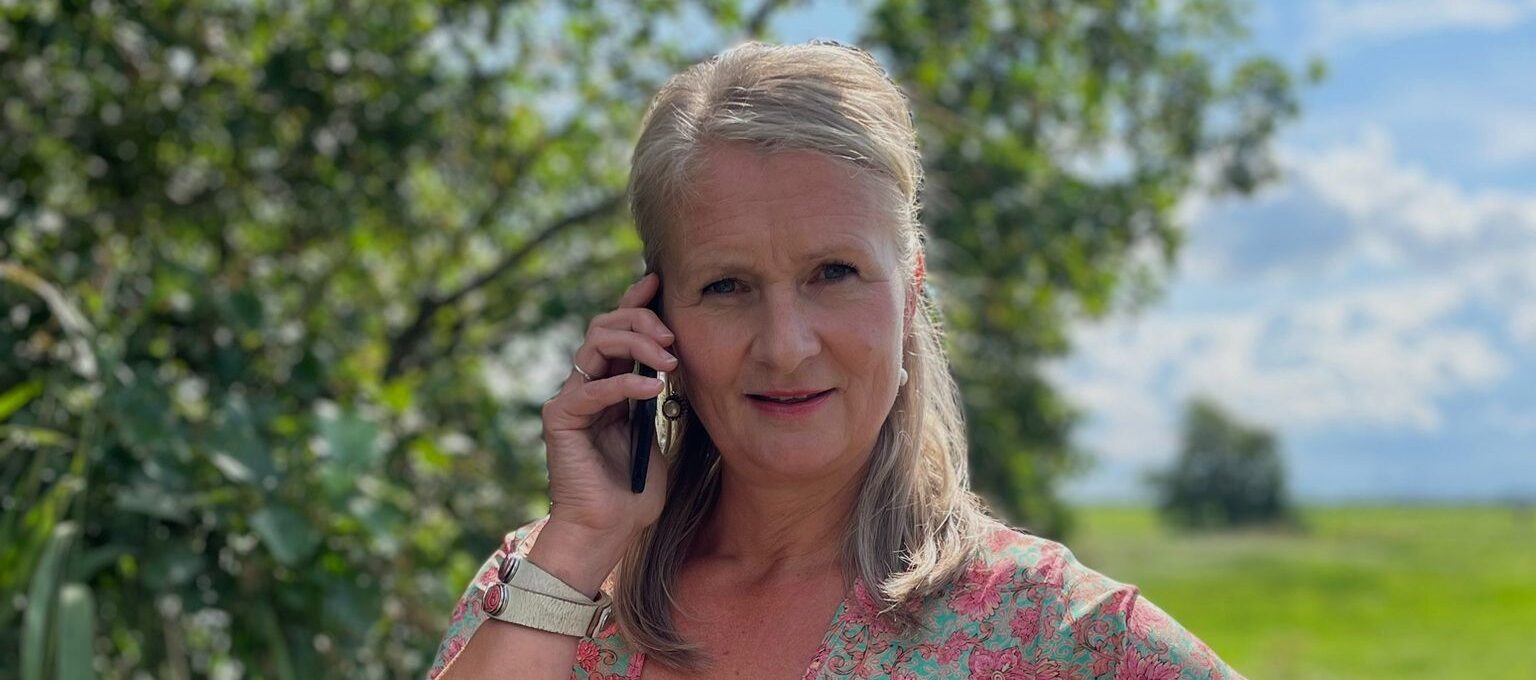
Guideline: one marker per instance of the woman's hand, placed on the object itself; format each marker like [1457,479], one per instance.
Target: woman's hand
[586,430]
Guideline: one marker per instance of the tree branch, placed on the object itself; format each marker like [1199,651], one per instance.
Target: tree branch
[757,24]
[498,334]
[427,307]
[403,345]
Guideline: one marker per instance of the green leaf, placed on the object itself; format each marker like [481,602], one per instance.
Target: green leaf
[26,537]
[96,559]
[141,415]
[276,643]
[351,451]
[33,437]
[397,394]
[286,533]
[18,396]
[239,449]
[76,631]
[236,471]
[245,307]
[41,598]
[351,441]
[150,498]
[351,607]
[172,566]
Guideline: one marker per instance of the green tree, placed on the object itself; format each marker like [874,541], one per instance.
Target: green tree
[263,256]
[1058,137]
[1227,474]
[276,276]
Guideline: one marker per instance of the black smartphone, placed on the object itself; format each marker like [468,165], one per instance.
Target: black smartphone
[642,419]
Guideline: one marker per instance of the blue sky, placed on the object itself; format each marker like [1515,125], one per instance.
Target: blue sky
[1376,308]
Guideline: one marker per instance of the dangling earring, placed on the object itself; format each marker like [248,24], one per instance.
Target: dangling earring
[673,407]
[903,378]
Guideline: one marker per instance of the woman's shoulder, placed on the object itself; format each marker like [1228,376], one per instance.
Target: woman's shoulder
[1040,559]
[1018,568]
[1031,595]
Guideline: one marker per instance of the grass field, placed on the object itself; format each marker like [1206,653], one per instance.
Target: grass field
[1361,592]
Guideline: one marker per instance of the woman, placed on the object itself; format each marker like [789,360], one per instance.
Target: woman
[814,464]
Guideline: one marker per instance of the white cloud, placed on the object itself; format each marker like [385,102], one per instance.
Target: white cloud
[1523,323]
[1357,205]
[1405,214]
[1512,287]
[1378,339]
[1380,357]
[1509,137]
[1338,22]
[1471,111]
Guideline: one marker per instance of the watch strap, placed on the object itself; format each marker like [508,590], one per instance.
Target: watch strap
[520,573]
[545,612]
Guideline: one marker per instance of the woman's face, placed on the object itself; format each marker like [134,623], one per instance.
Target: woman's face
[783,277]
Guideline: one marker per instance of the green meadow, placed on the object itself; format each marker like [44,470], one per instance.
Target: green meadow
[1358,592]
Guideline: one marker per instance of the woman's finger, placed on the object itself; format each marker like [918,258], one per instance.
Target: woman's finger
[611,351]
[638,319]
[574,409]
[640,291]
[631,315]
[606,344]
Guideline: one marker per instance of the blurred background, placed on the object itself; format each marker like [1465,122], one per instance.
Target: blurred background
[1241,296]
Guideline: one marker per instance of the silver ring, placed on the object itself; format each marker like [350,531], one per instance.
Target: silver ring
[586,377]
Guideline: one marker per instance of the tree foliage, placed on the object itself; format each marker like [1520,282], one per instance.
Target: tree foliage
[1227,474]
[1058,137]
[283,282]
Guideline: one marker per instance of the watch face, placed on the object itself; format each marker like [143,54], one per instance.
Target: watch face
[495,599]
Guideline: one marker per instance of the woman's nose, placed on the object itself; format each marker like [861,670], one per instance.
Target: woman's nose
[786,334]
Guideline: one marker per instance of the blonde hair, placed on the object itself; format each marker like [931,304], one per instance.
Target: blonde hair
[916,523]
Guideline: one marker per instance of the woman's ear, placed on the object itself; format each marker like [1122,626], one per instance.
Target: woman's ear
[918,275]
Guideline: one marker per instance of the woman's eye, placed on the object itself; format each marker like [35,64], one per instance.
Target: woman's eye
[715,287]
[835,271]
[841,270]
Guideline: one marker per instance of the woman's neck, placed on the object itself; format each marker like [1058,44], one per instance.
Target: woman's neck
[779,530]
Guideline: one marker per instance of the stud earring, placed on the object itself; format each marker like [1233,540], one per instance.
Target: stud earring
[903,379]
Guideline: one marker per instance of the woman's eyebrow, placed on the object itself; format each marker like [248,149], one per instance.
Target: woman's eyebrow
[712,263]
[840,250]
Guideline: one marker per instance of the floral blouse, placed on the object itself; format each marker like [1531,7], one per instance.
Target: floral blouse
[1026,609]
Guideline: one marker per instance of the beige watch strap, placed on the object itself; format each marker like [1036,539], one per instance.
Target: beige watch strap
[529,596]
[545,612]
[518,572]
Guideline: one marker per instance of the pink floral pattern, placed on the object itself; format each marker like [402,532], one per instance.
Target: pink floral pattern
[1025,624]
[1025,610]
[996,664]
[979,593]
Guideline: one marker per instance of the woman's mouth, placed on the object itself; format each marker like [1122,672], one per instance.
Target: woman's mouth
[787,405]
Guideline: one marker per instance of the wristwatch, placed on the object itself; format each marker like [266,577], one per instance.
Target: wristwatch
[528,596]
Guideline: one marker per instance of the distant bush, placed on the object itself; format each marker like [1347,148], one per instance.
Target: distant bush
[1227,474]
